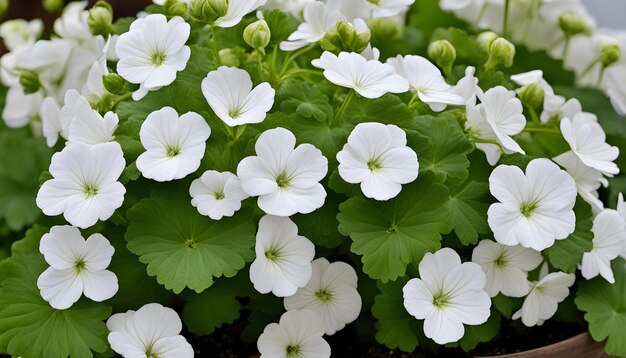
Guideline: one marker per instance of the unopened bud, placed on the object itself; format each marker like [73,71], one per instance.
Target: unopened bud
[443,53]
[114,84]
[53,5]
[100,19]
[532,96]
[346,38]
[175,8]
[485,39]
[229,58]
[609,54]
[501,53]
[384,28]
[257,35]
[208,11]
[572,24]
[30,82]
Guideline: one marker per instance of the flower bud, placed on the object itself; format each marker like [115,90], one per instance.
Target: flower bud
[175,8]
[501,53]
[572,24]
[609,54]
[443,53]
[30,81]
[100,19]
[114,84]
[257,35]
[485,39]
[384,28]
[208,11]
[229,58]
[346,38]
[53,5]
[532,96]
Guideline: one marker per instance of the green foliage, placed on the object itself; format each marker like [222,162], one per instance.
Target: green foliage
[605,307]
[506,305]
[391,234]
[29,326]
[467,49]
[281,25]
[187,249]
[481,333]
[566,254]
[467,212]
[304,99]
[210,309]
[321,225]
[22,160]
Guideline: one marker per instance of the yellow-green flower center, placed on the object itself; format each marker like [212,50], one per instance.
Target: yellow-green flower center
[528,208]
[282,180]
[324,295]
[90,190]
[158,58]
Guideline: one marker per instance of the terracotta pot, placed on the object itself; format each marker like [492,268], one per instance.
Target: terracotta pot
[580,346]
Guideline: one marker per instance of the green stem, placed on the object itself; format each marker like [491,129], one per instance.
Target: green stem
[414,100]
[292,56]
[600,75]
[344,105]
[588,68]
[301,71]
[541,130]
[260,61]
[487,141]
[216,51]
[565,48]
[505,21]
[534,116]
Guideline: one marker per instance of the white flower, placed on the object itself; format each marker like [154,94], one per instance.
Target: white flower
[230,95]
[588,141]
[18,32]
[426,79]
[319,18]
[533,209]
[293,7]
[588,180]
[331,293]
[174,145]
[285,179]
[237,9]
[84,187]
[51,123]
[298,334]
[615,87]
[20,108]
[369,78]
[94,89]
[544,297]
[152,52]
[151,331]
[467,87]
[73,23]
[377,157]
[506,267]
[503,112]
[283,258]
[609,240]
[533,77]
[76,267]
[388,8]
[89,127]
[217,194]
[555,106]
[453,5]
[447,295]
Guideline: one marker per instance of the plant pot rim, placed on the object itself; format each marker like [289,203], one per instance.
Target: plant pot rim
[578,346]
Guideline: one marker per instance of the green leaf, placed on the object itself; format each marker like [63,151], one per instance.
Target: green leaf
[467,212]
[22,159]
[326,234]
[183,248]
[605,307]
[395,328]
[388,109]
[441,147]
[209,310]
[506,305]
[391,234]
[481,333]
[466,48]
[29,326]
[281,25]
[566,254]
[304,99]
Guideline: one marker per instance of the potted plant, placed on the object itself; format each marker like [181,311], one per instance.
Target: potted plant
[434,176]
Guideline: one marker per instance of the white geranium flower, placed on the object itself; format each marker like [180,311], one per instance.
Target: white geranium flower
[504,114]
[152,52]
[389,8]
[237,9]
[217,194]
[609,240]
[319,18]
[369,78]
[544,297]
[174,145]
[84,187]
[533,209]
[73,23]
[506,267]
[20,108]
[151,331]
[283,258]
[228,90]
[89,127]
[615,87]
[51,123]
[331,293]
[532,77]
[16,33]
[426,79]
[467,87]
[94,89]
[377,157]
[285,179]
[76,267]
[588,141]
[298,334]
[555,106]
[588,180]
[447,295]
[478,127]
